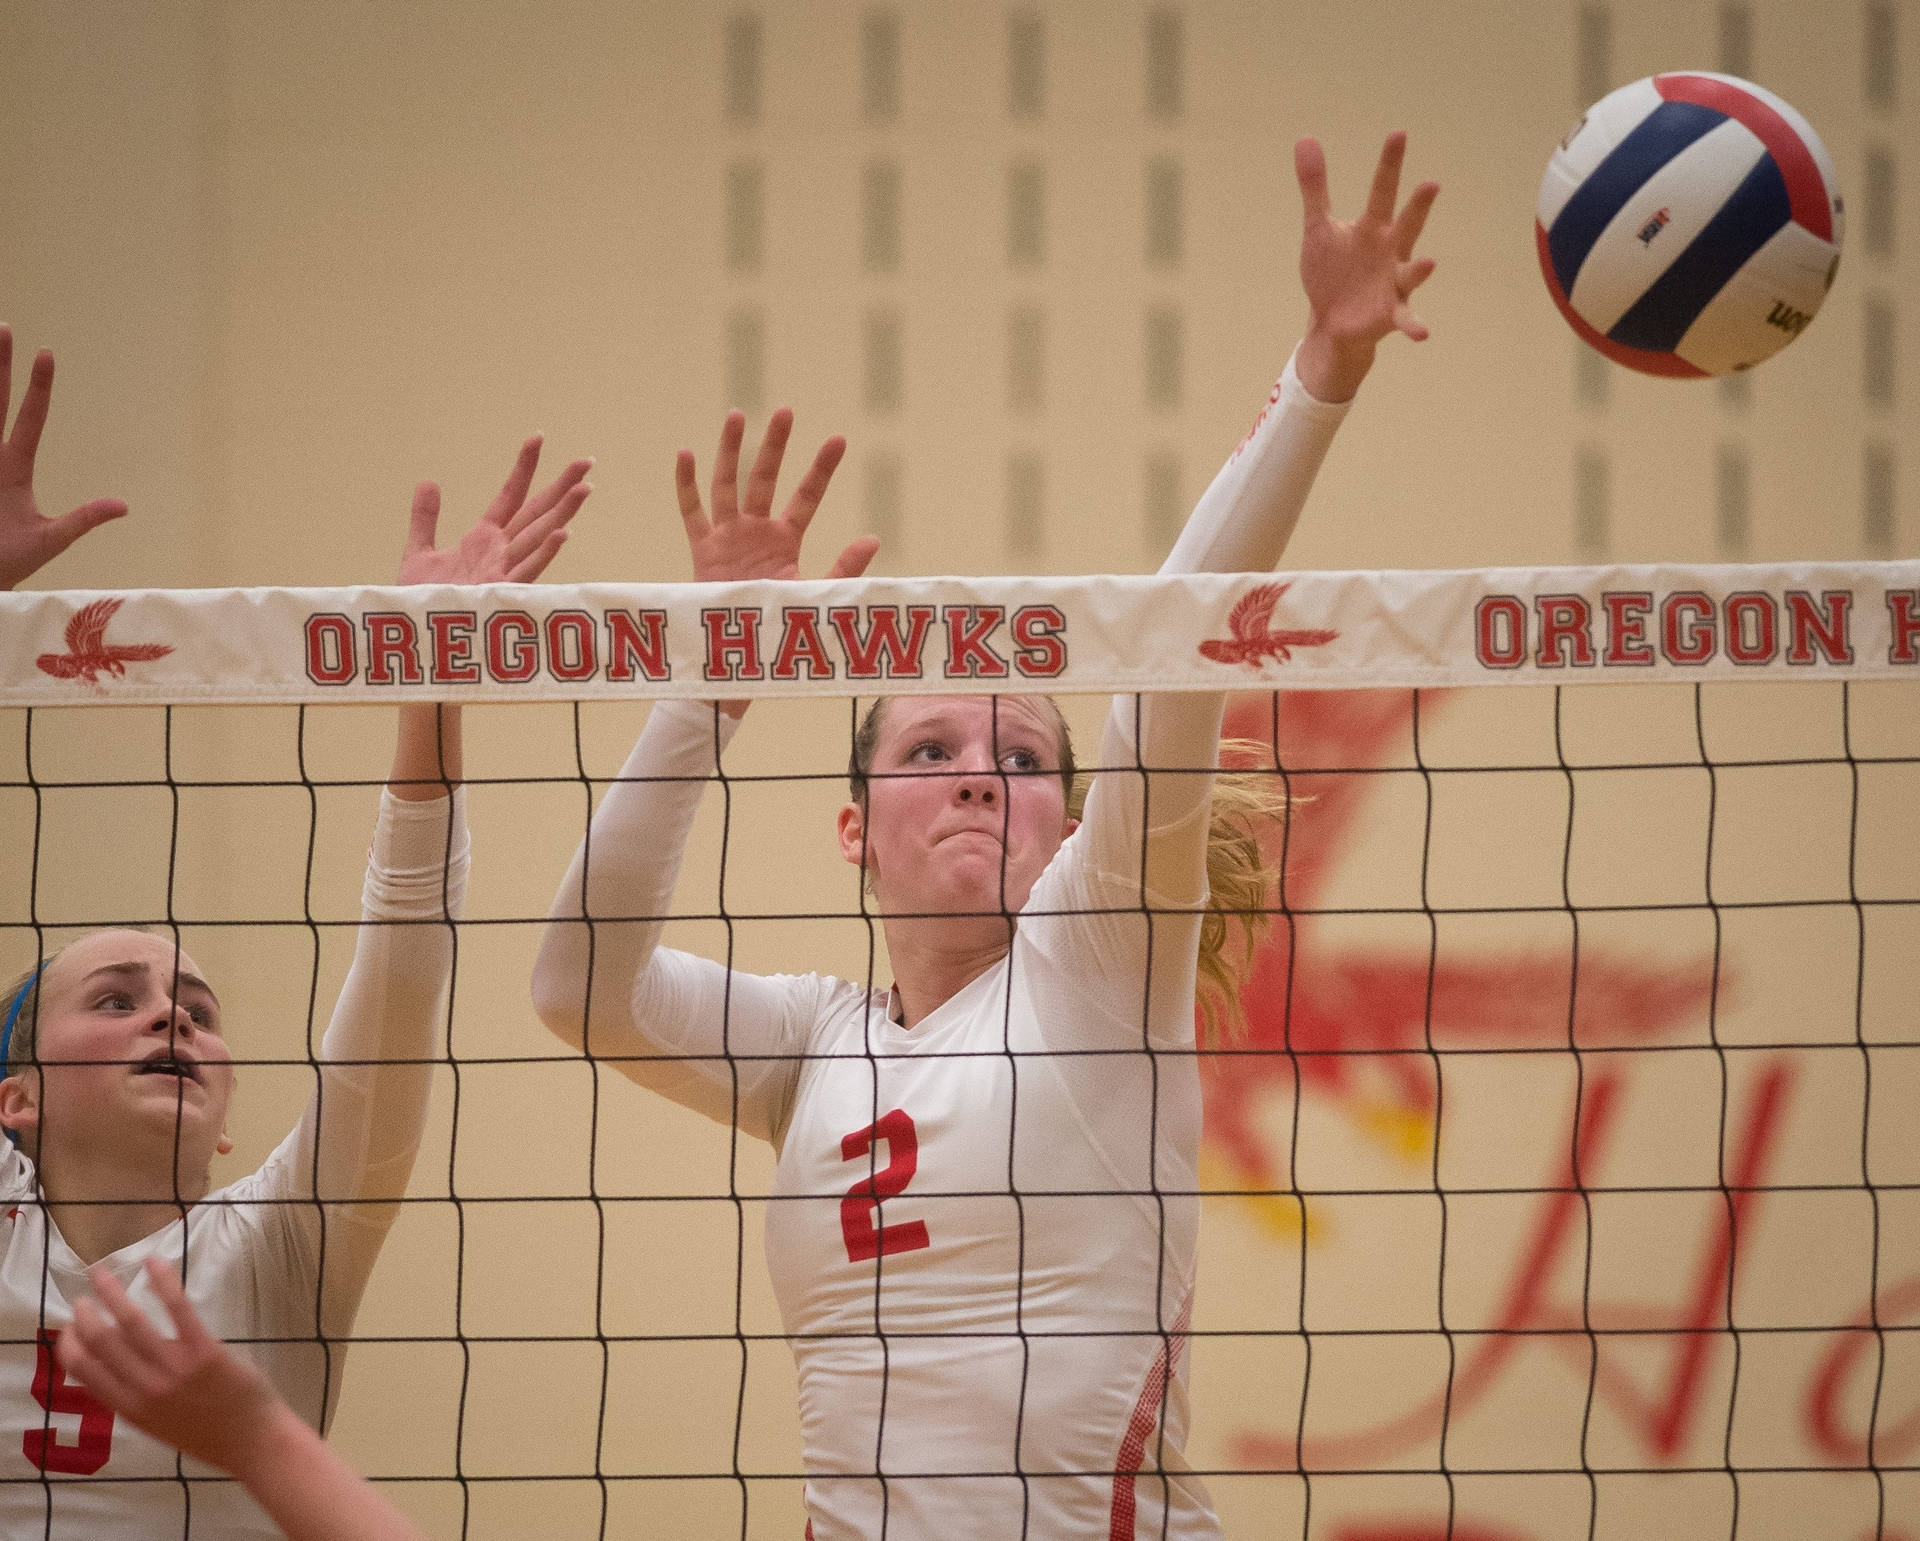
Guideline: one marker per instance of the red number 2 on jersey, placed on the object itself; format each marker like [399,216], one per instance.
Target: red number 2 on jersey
[90,1449]
[864,1239]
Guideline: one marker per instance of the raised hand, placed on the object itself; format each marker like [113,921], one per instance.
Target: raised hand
[28,539]
[1358,274]
[513,543]
[744,538]
[516,537]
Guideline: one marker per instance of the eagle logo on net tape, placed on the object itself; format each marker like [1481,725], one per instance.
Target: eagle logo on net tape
[89,654]
[1255,639]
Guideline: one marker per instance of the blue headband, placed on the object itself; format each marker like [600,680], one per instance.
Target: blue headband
[13,1016]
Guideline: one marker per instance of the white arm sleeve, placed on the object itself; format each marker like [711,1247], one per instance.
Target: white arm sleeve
[354,1146]
[719,1041]
[1143,837]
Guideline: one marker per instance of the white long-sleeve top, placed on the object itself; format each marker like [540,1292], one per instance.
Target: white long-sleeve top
[984,1228]
[278,1260]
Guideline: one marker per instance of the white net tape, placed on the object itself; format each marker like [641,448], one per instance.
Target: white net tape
[1561,1184]
[1216,631]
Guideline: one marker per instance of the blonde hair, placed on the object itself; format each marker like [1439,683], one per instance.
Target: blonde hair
[1239,876]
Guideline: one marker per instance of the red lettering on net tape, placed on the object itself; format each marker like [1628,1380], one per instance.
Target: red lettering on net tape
[890,636]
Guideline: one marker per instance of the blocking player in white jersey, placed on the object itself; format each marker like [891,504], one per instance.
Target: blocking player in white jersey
[985,1217]
[119,1072]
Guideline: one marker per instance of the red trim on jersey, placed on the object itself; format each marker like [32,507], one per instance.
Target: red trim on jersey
[1806,188]
[1643,359]
[1146,1413]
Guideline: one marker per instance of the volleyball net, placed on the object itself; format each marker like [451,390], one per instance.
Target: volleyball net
[1561,1181]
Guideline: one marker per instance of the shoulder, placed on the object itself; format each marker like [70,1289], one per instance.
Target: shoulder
[256,1248]
[826,1000]
[266,1199]
[824,1009]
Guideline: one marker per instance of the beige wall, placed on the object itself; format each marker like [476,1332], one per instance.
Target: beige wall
[295,256]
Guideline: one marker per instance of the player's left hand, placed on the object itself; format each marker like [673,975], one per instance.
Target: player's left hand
[744,538]
[516,537]
[1359,274]
[28,539]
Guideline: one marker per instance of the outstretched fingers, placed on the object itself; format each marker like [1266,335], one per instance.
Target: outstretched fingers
[726,468]
[531,565]
[1412,219]
[552,495]
[765,475]
[189,1331]
[513,492]
[852,562]
[736,536]
[805,502]
[87,1350]
[1410,277]
[129,1321]
[32,417]
[1408,324]
[686,489]
[64,531]
[6,376]
[1385,191]
[121,1356]
[424,520]
[1310,168]
[535,535]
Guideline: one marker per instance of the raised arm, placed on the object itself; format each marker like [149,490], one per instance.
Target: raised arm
[355,1145]
[1358,277]
[673,1022]
[28,539]
[193,1392]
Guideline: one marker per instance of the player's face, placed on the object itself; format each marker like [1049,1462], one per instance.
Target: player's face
[964,804]
[129,1045]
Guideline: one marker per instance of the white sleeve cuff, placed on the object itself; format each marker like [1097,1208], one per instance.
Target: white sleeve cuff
[680,738]
[1298,395]
[420,856]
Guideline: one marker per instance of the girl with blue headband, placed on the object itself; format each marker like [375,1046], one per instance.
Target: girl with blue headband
[117,1079]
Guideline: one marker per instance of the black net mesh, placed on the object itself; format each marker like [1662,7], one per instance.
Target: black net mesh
[1557,1178]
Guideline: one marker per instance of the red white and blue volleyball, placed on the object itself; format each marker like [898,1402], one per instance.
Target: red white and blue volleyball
[1689,225]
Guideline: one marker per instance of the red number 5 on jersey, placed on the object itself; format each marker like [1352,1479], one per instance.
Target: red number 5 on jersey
[90,1449]
[864,1240]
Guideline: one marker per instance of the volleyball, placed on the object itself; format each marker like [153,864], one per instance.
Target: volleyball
[1689,225]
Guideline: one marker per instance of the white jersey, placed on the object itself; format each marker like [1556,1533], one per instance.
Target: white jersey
[278,1260]
[984,1228]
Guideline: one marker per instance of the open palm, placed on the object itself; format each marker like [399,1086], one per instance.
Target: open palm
[1358,274]
[516,537]
[744,538]
[28,539]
